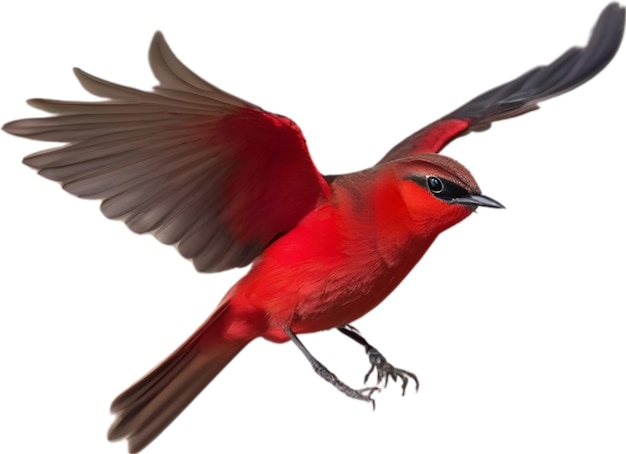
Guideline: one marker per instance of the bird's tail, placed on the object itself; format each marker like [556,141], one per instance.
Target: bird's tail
[145,409]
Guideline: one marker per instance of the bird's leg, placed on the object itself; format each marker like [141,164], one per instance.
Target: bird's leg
[321,370]
[384,369]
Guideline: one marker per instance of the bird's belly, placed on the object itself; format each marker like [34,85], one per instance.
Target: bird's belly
[310,297]
[318,277]
[346,295]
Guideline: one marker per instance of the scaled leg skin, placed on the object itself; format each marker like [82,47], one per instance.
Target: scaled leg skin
[384,369]
[321,370]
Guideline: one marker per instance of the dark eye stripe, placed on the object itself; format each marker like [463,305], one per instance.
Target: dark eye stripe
[440,187]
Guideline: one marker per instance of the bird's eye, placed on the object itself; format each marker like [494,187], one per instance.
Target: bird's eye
[435,185]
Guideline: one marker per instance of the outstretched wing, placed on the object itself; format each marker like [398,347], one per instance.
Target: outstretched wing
[198,168]
[573,68]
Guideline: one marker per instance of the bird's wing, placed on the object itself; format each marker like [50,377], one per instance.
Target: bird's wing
[198,168]
[575,67]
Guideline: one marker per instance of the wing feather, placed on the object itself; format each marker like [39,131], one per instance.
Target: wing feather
[198,168]
[575,67]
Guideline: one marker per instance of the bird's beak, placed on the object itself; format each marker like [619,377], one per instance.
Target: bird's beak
[477,200]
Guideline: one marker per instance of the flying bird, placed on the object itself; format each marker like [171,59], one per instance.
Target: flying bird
[230,184]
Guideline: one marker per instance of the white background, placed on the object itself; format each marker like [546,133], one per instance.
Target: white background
[514,321]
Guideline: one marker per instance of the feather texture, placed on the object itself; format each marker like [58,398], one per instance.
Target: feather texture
[196,167]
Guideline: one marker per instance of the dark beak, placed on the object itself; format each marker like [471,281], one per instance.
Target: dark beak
[477,200]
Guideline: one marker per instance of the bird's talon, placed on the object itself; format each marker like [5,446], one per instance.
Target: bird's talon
[384,370]
[367,392]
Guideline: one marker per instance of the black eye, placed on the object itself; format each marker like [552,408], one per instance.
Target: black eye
[440,188]
[435,185]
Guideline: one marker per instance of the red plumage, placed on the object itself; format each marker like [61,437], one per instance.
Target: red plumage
[230,184]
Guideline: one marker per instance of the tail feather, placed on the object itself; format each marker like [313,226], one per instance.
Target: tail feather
[150,405]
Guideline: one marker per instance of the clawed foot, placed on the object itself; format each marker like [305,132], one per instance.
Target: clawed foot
[321,370]
[365,394]
[384,370]
[359,394]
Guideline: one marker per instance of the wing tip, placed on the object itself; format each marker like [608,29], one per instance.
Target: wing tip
[613,8]
[157,43]
[83,76]
[611,23]
[9,127]
[158,52]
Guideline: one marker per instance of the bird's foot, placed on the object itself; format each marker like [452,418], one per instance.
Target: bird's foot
[364,394]
[384,370]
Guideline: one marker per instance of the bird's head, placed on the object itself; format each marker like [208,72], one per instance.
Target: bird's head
[438,192]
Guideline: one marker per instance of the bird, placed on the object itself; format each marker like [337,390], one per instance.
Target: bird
[232,185]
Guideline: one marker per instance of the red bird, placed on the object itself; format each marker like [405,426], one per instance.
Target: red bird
[230,184]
